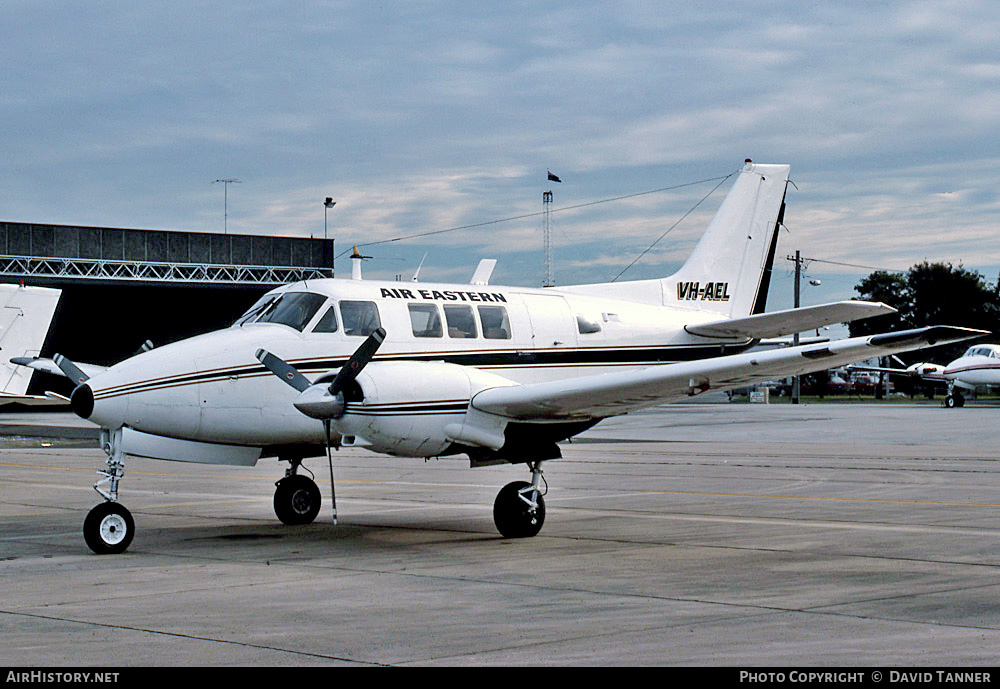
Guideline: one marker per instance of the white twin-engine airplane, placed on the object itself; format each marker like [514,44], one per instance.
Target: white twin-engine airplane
[979,366]
[501,374]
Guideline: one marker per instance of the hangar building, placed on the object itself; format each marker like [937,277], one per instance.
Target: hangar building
[122,287]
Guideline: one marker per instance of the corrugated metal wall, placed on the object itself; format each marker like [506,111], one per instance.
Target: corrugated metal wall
[161,246]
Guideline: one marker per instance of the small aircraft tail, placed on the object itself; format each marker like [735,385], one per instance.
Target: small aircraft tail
[729,271]
[25,316]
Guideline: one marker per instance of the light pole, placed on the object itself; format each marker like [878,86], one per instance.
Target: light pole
[795,338]
[327,205]
[226,183]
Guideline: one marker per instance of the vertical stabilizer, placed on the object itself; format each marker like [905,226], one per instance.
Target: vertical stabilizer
[729,270]
[25,316]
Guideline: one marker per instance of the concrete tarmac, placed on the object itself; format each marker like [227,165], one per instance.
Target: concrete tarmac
[697,534]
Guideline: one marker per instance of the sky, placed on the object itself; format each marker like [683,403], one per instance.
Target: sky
[426,116]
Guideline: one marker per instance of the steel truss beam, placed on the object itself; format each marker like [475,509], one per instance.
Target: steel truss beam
[151,271]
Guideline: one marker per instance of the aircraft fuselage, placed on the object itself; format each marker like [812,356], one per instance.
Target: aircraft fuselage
[212,388]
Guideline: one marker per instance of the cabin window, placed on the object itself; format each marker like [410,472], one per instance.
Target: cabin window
[495,323]
[328,323]
[294,309]
[586,325]
[359,317]
[425,320]
[461,322]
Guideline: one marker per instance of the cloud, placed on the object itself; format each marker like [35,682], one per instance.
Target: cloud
[426,117]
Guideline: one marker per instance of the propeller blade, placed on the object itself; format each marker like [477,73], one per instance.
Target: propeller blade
[283,370]
[358,361]
[70,369]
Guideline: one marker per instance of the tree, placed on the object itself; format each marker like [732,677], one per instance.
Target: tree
[930,294]
[888,288]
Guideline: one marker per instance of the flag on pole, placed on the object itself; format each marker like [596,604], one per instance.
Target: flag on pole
[553,178]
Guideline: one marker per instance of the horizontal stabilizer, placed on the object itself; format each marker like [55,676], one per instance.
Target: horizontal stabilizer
[48,399]
[610,394]
[790,321]
[49,366]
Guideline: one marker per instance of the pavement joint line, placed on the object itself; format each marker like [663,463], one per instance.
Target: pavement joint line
[193,637]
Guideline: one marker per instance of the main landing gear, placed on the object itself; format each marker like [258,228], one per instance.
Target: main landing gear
[954,399]
[519,510]
[296,499]
[109,527]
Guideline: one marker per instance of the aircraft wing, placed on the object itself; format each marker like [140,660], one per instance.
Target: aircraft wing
[882,369]
[610,394]
[790,321]
[930,373]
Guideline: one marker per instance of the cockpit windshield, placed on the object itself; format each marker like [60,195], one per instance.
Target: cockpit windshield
[294,309]
[255,310]
[982,351]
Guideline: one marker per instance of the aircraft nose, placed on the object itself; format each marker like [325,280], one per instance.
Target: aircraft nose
[81,401]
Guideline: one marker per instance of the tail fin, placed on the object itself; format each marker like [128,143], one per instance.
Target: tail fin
[25,316]
[729,271]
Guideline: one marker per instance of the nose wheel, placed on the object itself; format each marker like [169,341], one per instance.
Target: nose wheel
[519,510]
[108,529]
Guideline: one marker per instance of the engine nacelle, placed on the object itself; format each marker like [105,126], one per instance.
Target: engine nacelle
[419,409]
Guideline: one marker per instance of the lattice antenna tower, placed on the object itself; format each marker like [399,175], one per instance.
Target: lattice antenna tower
[549,280]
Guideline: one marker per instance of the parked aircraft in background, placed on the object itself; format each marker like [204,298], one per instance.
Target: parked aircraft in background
[500,374]
[979,366]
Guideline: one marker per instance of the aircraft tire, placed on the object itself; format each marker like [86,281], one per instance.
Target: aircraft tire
[513,518]
[297,500]
[953,401]
[108,528]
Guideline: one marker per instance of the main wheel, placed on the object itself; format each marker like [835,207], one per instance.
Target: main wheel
[514,517]
[296,500]
[108,528]
[954,400]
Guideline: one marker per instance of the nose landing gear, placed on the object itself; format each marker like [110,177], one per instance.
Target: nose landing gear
[109,527]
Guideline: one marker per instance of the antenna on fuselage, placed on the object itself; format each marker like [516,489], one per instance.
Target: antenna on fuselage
[416,273]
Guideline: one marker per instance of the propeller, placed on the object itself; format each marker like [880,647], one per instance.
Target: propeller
[283,370]
[70,369]
[81,400]
[322,401]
